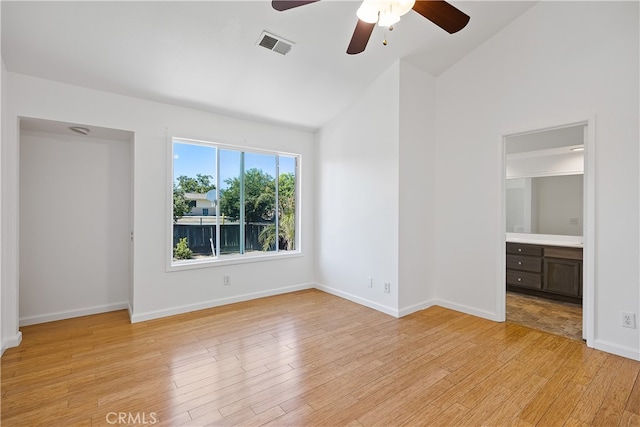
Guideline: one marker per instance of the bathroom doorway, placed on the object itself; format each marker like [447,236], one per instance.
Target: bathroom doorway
[548,229]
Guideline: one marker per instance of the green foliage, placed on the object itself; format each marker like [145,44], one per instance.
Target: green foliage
[200,184]
[180,205]
[287,193]
[288,231]
[286,217]
[259,197]
[182,251]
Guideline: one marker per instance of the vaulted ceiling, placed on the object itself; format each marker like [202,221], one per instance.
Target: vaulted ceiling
[204,54]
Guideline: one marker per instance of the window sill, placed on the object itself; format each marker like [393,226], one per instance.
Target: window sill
[230,260]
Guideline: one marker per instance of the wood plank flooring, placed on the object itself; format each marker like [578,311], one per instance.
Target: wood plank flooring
[311,359]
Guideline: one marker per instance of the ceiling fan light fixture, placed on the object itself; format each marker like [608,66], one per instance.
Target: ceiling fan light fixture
[384,12]
[387,12]
[368,12]
[402,7]
[388,18]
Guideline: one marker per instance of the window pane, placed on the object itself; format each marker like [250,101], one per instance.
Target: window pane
[287,203]
[230,202]
[260,202]
[194,220]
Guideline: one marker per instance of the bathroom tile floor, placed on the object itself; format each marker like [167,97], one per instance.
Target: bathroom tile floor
[555,317]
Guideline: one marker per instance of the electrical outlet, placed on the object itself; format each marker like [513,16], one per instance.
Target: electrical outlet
[227,280]
[574,221]
[387,287]
[370,282]
[628,320]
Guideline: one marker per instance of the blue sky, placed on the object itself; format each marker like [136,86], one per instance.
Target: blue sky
[191,159]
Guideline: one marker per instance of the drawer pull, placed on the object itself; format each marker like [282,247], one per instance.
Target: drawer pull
[519,262]
[519,279]
[519,249]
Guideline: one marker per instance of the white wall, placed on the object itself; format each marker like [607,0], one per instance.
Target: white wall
[11,336]
[417,186]
[74,225]
[559,62]
[357,197]
[2,73]
[157,292]
[376,190]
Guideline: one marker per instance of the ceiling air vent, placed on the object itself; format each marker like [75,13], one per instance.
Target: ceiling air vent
[274,43]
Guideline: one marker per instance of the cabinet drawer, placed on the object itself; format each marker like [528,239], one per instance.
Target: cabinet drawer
[562,252]
[526,263]
[524,279]
[522,249]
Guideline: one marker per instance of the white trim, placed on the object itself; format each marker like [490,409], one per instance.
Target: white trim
[234,259]
[619,350]
[417,307]
[69,314]
[172,311]
[13,341]
[468,310]
[589,235]
[501,292]
[362,301]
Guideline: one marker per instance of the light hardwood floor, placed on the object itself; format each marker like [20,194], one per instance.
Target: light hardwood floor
[311,359]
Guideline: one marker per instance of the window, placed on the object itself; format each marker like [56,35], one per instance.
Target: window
[228,203]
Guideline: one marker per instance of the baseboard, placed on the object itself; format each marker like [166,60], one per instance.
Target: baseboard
[466,309]
[172,311]
[14,341]
[417,307]
[69,314]
[620,350]
[362,301]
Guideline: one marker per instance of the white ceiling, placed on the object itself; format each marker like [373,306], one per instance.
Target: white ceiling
[203,54]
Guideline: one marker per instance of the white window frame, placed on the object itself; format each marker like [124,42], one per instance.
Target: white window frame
[218,260]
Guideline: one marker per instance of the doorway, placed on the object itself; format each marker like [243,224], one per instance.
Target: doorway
[548,213]
[75,204]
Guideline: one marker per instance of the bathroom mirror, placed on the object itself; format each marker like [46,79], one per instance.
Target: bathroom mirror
[544,187]
[545,205]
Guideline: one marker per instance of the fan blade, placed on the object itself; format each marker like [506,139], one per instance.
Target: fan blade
[289,4]
[442,14]
[360,37]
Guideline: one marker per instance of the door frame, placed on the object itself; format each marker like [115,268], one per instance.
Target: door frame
[589,221]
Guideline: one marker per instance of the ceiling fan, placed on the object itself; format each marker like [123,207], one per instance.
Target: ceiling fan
[387,12]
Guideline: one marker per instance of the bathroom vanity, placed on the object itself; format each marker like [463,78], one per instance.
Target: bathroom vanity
[549,269]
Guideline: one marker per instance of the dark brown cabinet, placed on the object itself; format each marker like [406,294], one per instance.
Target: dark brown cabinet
[550,271]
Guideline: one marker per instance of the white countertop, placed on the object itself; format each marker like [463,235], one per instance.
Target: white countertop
[545,239]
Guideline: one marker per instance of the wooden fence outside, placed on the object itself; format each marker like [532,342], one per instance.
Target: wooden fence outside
[198,237]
